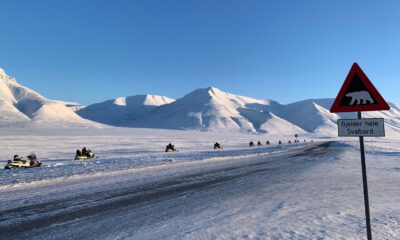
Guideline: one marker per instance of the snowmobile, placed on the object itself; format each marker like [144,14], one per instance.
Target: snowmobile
[267,143]
[217,145]
[84,154]
[251,144]
[259,143]
[18,162]
[170,148]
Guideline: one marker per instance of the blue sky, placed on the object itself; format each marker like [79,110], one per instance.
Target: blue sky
[90,51]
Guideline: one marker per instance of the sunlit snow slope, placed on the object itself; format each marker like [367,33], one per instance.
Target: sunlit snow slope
[124,110]
[21,106]
[206,109]
[211,109]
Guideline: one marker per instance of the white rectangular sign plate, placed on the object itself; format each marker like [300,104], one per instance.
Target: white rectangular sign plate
[367,127]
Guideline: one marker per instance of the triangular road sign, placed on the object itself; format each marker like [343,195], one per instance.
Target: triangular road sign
[358,94]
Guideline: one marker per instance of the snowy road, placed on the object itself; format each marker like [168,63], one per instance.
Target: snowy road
[128,208]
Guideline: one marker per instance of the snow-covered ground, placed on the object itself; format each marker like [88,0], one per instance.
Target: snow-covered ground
[134,190]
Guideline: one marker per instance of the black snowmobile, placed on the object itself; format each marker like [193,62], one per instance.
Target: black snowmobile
[170,148]
[217,145]
[259,144]
[251,144]
[85,154]
[19,162]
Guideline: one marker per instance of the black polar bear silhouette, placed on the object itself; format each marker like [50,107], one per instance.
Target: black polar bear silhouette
[361,97]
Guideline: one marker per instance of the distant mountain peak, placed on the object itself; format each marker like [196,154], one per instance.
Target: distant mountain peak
[204,109]
[5,77]
[214,91]
[210,109]
[156,100]
[21,106]
[121,101]
[122,111]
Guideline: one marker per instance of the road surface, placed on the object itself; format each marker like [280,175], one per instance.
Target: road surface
[175,207]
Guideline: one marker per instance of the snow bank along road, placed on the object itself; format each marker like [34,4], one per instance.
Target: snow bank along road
[264,196]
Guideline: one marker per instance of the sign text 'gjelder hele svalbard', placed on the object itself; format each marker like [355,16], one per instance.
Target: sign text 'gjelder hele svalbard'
[367,127]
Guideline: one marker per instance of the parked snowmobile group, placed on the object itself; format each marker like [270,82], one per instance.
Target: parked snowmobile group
[85,154]
[33,161]
[19,162]
[170,148]
[217,145]
[259,144]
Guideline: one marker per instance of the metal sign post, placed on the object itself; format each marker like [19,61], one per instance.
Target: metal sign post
[365,184]
[356,95]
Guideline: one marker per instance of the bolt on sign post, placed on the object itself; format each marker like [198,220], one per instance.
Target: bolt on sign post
[357,95]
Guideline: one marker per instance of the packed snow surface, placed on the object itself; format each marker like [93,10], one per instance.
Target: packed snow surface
[134,190]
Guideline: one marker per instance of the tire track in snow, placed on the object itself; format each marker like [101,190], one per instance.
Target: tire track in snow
[14,222]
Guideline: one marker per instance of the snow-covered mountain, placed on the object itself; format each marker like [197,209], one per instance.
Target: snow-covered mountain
[313,115]
[207,109]
[21,106]
[211,109]
[310,115]
[123,111]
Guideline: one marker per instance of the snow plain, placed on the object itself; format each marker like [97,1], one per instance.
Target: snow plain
[134,190]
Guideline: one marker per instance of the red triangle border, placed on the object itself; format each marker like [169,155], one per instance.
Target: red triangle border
[355,69]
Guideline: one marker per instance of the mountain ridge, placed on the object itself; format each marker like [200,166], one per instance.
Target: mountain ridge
[203,109]
[210,109]
[123,110]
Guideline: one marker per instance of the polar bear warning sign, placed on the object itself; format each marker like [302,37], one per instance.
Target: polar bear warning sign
[358,94]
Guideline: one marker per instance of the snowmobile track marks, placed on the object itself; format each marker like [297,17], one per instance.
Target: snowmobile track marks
[40,216]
